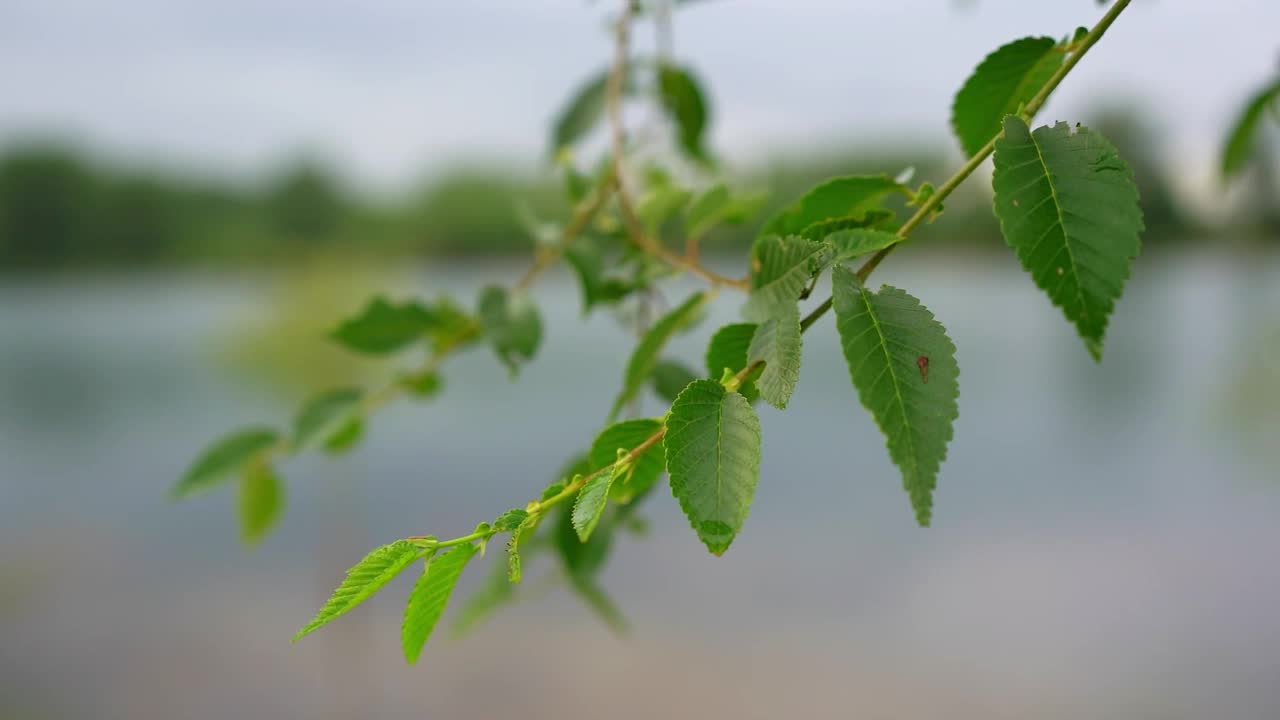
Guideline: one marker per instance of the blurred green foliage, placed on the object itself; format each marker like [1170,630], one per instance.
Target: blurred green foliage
[60,208]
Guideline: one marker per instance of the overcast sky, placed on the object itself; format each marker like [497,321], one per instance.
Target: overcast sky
[391,89]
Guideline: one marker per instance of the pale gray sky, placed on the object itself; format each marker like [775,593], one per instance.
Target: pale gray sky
[388,89]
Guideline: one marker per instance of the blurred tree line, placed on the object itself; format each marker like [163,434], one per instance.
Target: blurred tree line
[60,209]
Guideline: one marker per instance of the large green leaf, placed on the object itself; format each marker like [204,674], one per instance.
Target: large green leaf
[781,267]
[1239,144]
[225,459]
[363,580]
[512,323]
[777,343]
[683,99]
[713,454]
[261,501]
[836,198]
[325,415]
[645,469]
[1068,207]
[383,327]
[904,368]
[1006,79]
[429,597]
[645,356]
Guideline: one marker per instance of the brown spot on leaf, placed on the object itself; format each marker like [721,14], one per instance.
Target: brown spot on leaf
[922,362]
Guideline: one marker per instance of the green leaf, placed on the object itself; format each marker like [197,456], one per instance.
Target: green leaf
[904,368]
[840,197]
[497,592]
[510,520]
[225,458]
[780,270]
[513,325]
[325,414]
[646,468]
[583,559]
[713,454]
[669,378]
[728,351]
[718,205]
[1000,85]
[429,597]
[422,384]
[777,343]
[515,570]
[591,501]
[645,356]
[1068,207]
[587,259]
[363,580]
[383,327]
[261,501]
[599,601]
[345,437]
[851,243]
[1239,144]
[661,204]
[581,113]
[683,99]
[823,229]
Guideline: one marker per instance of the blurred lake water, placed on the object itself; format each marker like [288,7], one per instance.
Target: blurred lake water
[1104,544]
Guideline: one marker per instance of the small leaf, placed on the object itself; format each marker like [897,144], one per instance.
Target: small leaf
[325,414]
[384,327]
[1068,207]
[423,384]
[646,468]
[225,459]
[777,343]
[1239,144]
[599,601]
[261,501]
[683,98]
[581,113]
[591,502]
[781,268]
[513,325]
[510,520]
[1004,81]
[840,197]
[585,256]
[669,378]
[429,597]
[515,571]
[904,368]
[645,356]
[713,454]
[583,559]
[345,437]
[728,351]
[363,580]
[849,244]
[661,204]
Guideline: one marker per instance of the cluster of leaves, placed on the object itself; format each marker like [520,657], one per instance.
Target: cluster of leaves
[1068,208]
